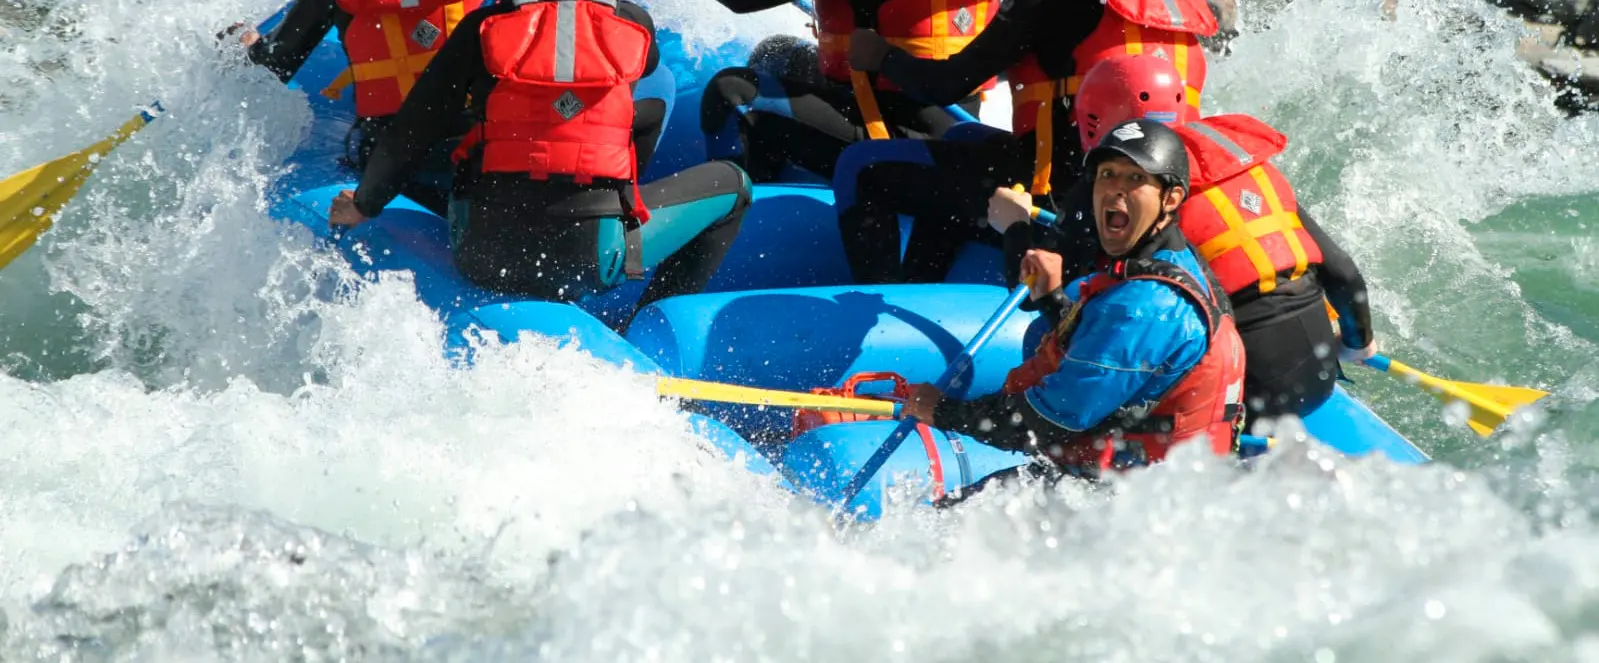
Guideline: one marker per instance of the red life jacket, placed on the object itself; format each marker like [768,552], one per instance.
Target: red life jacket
[1243,216]
[1208,400]
[562,104]
[389,43]
[1162,28]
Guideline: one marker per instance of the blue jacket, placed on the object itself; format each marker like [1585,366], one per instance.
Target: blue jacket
[1133,342]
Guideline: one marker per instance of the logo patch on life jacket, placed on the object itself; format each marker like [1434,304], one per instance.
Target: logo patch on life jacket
[426,34]
[1160,52]
[568,105]
[964,21]
[1249,200]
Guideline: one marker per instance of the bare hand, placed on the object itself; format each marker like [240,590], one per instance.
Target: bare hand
[343,211]
[1351,355]
[1008,206]
[866,50]
[920,403]
[248,36]
[1045,269]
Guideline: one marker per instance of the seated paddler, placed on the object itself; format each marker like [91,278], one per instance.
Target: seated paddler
[388,44]
[1139,356]
[547,202]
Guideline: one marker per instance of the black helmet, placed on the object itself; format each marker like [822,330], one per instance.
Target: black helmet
[1150,144]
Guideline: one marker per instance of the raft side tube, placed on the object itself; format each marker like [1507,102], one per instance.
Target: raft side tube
[825,459]
[803,338]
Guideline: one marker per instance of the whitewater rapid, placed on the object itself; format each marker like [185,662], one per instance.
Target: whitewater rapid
[217,448]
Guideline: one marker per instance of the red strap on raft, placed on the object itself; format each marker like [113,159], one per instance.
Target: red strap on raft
[806,420]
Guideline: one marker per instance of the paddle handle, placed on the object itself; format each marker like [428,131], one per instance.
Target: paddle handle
[946,383]
[960,114]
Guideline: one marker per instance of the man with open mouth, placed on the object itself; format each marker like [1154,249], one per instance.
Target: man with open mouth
[1142,354]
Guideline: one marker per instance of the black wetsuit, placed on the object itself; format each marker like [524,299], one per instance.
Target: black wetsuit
[1291,351]
[764,117]
[555,239]
[285,49]
[945,184]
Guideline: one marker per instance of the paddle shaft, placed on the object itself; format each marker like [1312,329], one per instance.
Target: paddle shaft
[727,393]
[946,383]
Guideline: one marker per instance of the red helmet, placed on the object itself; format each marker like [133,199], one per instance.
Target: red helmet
[1127,87]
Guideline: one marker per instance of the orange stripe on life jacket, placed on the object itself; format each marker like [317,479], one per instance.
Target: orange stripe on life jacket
[392,46]
[1034,93]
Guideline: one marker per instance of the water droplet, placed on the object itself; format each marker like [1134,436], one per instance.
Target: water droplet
[899,646]
[1325,655]
[1435,609]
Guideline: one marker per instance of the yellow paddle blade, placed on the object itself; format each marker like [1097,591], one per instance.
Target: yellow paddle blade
[31,199]
[1490,404]
[727,393]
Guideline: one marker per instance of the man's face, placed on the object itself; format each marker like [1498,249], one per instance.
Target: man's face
[1127,203]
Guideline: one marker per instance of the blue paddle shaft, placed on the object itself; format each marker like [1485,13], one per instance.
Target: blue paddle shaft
[946,384]
[959,113]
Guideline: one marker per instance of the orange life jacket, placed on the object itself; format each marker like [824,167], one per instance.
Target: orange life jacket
[389,43]
[932,29]
[562,104]
[1242,214]
[1162,28]
[1208,400]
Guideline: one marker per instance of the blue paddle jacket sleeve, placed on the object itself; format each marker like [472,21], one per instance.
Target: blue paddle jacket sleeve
[1134,342]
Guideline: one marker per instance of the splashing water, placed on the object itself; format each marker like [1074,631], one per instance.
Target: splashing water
[216,449]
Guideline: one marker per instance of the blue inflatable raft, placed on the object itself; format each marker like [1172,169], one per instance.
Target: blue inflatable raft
[780,313]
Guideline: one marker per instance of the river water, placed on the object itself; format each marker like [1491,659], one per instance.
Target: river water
[205,460]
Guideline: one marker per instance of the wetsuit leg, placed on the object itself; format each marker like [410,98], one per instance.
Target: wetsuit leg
[694,218]
[557,241]
[1292,364]
[763,122]
[943,185]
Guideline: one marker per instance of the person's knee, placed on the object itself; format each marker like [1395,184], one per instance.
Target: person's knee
[727,90]
[787,57]
[734,86]
[863,170]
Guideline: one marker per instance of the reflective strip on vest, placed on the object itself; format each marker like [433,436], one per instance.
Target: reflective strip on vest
[1246,236]
[565,41]
[565,35]
[1175,13]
